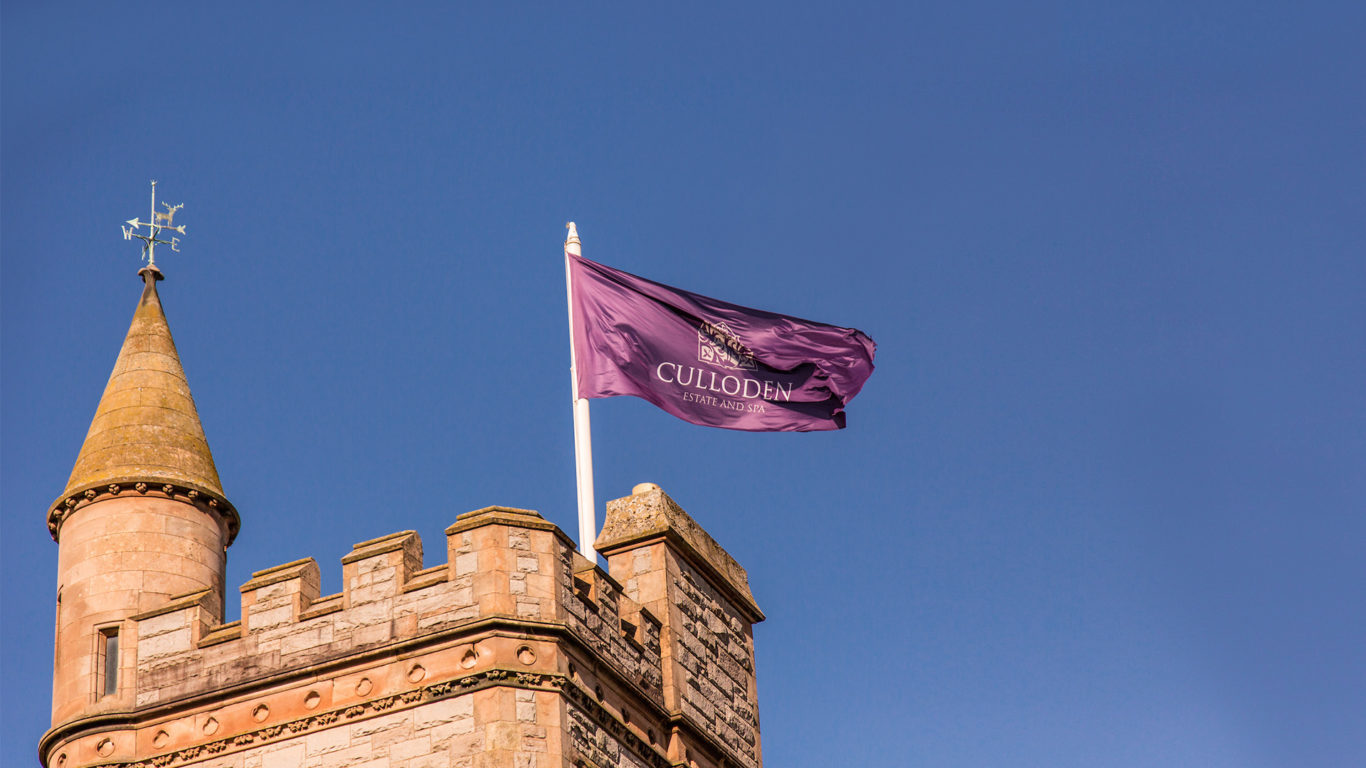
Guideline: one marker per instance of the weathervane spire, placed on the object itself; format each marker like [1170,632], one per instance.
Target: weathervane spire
[160,221]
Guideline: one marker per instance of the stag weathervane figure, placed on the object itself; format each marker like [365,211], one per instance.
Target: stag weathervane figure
[160,221]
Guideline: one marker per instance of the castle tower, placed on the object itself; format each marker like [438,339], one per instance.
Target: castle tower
[143,518]
[512,650]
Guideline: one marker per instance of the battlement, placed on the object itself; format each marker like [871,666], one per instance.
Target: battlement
[501,564]
[653,662]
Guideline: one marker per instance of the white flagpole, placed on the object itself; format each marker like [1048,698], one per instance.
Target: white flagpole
[583,439]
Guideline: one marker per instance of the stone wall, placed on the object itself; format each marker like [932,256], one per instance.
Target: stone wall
[492,571]
[714,654]
[618,630]
[675,570]
[458,732]
[597,746]
[516,651]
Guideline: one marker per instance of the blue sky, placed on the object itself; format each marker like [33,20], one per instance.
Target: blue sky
[1100,504]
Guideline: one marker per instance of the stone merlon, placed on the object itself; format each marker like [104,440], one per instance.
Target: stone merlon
[648,514]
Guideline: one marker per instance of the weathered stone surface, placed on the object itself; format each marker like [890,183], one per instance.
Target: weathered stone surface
[146,428]
[649,513]
[516,651]
[702,597]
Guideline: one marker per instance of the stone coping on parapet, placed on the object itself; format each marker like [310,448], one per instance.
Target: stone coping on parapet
[522,518]
[393,542]
[647,514]
[283,572]
[200,597]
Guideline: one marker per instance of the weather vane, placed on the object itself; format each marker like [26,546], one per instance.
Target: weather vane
[160,222]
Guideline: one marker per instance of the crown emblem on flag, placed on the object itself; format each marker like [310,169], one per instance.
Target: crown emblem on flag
[717,344]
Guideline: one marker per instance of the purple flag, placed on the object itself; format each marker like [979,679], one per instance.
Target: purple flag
[710,362]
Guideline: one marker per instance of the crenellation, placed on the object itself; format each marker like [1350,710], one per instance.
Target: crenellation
[598,612]
[221,634]
[279,595]
[190,616]
[427,577]
[514,649]
[323,606]
[286,624]
[377,570]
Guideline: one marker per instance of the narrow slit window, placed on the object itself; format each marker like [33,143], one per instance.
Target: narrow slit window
[57,632]
[109,642]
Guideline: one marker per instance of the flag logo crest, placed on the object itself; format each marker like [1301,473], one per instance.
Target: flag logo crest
[718,345]
[746,369]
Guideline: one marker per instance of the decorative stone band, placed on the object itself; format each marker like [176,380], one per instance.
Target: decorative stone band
[489,678]
[211,502]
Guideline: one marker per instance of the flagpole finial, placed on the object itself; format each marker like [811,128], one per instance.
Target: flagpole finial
[571,242]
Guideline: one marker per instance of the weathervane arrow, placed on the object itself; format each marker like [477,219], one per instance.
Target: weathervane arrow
[160,222]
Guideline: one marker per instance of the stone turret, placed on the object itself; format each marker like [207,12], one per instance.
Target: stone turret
[143,518]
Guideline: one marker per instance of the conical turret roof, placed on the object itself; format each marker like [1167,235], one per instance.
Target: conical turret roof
[146,432]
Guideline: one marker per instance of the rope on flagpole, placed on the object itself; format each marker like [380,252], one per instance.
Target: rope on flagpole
[583,439]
